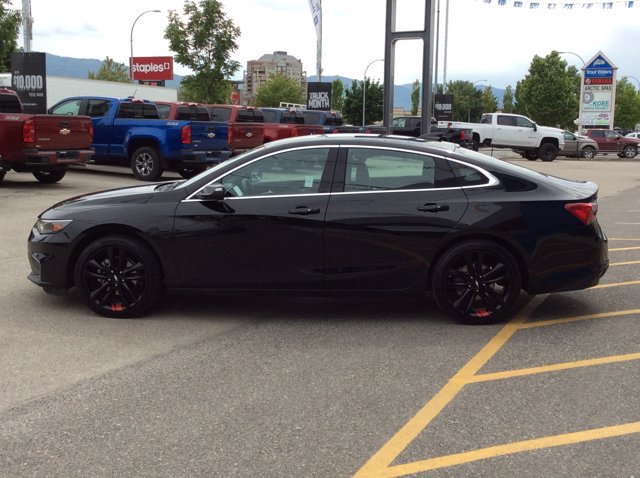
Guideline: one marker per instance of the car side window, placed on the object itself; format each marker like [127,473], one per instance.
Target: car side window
[569,136]
[71,107]
[384,170]
[468,176]
[523,122]
[163,111]
[289,173]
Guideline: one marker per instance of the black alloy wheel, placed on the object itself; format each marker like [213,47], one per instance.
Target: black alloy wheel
[118,277]
[2,173]
[146,164]
[547,152]
[477,282]
[49,177]
[531,155]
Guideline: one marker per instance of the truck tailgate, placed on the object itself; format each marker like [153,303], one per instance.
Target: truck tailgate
[209,136]
[62,132]
[246,135]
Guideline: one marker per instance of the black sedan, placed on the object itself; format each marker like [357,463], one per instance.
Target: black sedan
[330,214]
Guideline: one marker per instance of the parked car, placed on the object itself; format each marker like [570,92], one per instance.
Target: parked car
[330,214]
[328,119]
[611,142]
[43,145]
[246,125]
[635,134]
[281,123]
[578,146]
[460,136]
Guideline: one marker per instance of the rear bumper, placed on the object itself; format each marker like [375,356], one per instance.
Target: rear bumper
[205,158]
[36,158]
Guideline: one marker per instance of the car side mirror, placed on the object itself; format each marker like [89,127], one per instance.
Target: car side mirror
[535,127]
[212,192]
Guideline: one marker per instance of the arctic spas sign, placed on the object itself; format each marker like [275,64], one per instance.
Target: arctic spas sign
[152,68]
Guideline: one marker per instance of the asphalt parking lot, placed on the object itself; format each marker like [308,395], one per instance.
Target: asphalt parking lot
[322,388]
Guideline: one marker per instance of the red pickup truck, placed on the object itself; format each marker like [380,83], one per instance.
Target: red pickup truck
[611,142]
[280,123]
[44,145]
[246,126]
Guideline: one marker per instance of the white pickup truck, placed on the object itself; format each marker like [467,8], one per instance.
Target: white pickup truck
[516,132]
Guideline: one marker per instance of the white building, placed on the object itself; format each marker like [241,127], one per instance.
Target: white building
[260,71]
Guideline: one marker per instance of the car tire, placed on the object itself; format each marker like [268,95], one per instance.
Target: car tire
[2,173]
[589,152]
[475,144]
[118,277]
[547,152]
[49,177]
[531,155]
[146,164]
[487,293]
[629,152]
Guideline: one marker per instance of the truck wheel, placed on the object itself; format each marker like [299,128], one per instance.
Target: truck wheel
[146,164]
[629,152]
[547,152]
[531,155]
[49,177]
[476,145]
[588,152]
[2,176]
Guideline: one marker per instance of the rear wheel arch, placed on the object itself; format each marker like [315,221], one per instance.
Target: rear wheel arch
[511,248]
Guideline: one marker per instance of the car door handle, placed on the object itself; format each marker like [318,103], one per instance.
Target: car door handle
[433,207]
[304,211]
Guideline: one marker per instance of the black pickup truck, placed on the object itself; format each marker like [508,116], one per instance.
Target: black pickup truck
[461,136]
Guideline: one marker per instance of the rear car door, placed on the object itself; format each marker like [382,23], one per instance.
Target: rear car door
[387,215]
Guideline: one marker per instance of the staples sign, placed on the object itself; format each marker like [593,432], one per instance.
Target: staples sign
[152,68]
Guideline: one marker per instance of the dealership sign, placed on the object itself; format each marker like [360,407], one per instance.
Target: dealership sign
[152,68]
[598,92]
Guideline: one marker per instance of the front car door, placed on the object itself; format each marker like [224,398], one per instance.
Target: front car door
[386,217]
[267,233]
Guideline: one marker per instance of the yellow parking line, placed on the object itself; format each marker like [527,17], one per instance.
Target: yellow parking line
[629,263]
[488,377]
[379,463]
[615,284]
[619,249]
[508,449]
[566,320]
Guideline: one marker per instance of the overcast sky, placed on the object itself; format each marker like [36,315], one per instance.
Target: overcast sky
[487,43]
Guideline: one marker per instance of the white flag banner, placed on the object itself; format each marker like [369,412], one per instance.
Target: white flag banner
[316,13]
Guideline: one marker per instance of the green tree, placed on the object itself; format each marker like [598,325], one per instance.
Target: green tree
[111,71]
[337,94]
[507,100]
[415,97]
[627,113]
[489,101]
[467,101]
[9,30]
[374,100]
[548,94]
[204,43]
[280,88]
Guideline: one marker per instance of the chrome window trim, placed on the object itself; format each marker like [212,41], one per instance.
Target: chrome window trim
[493,181]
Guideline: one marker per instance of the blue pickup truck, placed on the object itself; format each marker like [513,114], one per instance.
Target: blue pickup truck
[132,131]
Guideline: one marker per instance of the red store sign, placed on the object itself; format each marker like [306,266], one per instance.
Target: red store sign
[152,68]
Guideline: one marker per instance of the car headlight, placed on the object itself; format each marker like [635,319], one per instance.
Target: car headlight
[51,226]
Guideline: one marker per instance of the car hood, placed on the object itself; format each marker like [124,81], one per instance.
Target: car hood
[120,196]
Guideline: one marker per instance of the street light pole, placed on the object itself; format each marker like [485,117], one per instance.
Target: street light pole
[469,111]
[131,40]
[581,87]
[633,78]
[364,88]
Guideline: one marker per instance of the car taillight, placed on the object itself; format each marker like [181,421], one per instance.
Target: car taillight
[585,211]
[230,137]
[185,136]
[91,131]
[462,135]
[29,131]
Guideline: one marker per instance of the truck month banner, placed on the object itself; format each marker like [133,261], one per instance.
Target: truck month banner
[318,96]
[29,79]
